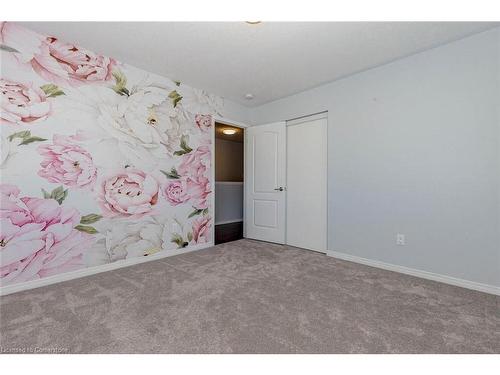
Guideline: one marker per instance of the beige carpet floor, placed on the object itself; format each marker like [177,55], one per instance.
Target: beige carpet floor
[250,297]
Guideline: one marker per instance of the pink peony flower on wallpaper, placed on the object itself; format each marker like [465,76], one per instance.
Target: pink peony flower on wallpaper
[196,163]
[21,39]
[129,193]
[204,122]
[61,62]
[199,190]
[56,61]
[201,229]
[186,189]
[22,104]
[67,163]
[38,237]
[176,192]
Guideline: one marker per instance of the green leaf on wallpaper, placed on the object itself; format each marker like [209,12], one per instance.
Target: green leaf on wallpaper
[29,140]
[59,194]
[52,90]
[120,78]
[86,228]
[184,146]
[22,134]
[46,195]
[195,212]
[180,153]
[177,83]
[26,136]
[205,212]
[121,83]
[90,219]
[121,91]
[176,97]
[172,174]
[177,239]
[190,236]
[6,48]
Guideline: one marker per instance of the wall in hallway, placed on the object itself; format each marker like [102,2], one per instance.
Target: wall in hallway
[228,160]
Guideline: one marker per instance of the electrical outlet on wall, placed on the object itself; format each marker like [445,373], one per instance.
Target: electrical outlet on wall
[400,239]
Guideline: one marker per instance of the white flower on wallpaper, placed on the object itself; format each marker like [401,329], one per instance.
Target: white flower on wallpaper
[8,147]
[100,161]
[128,239]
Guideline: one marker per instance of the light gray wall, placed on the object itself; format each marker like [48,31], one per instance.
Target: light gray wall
[413,148]
[228,202]
[236,112]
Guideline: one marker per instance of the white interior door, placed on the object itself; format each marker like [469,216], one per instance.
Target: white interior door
[265,168]
[306,213]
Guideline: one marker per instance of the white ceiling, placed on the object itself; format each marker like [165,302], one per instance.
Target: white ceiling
[270,60]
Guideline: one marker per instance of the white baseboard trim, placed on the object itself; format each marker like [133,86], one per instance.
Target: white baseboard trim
[9,289]
[486,288]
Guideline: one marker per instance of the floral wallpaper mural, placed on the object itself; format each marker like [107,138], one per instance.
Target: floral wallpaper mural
[100,161]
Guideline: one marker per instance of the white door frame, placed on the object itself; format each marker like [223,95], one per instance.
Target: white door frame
[237,124]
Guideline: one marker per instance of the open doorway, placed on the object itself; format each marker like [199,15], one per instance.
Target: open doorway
[229,151]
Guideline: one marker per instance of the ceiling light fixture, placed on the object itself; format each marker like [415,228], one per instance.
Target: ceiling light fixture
[229,131]
[253,22]
[249,96]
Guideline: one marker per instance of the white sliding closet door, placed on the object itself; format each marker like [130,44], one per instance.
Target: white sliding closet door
[306,215]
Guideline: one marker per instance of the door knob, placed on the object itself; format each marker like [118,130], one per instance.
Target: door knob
[279,189]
